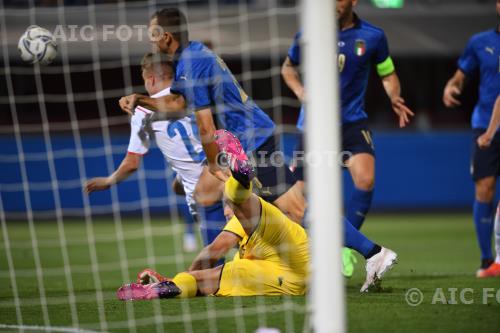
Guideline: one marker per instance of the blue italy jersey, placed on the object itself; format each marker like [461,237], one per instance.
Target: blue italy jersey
[205,82]
[483,53]
[359,48]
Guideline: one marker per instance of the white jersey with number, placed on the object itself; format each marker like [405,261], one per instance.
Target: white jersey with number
[179,142]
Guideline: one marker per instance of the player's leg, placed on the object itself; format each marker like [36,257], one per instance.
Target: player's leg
[245,277]
[485,167]
[358,145]
[362,170]
[298,169]
[208,189]
[497,235]
[189,242]
[208,197]
[245,205]
[202,282]
[278,182]
[293,202]
[177,186]
[494,269]
[483,217]
[359,157]
[379,259]
[242,277]
[355,240]
[183,285]
[299,188]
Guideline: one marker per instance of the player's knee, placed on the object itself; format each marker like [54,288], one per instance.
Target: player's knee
[207,191]
[485,190]
[207,280]
[365,182]
[204,198]
[293,204]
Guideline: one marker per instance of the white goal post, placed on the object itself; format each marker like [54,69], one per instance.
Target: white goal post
[323,174]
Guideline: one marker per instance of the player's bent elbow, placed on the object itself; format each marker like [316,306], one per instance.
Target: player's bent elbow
[179,103]
[206,130]
[284,70]
[215,252]
[132,167]
[224,242]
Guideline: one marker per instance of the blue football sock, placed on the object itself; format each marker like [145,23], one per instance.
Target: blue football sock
[188,218]
[483,220]
[358,207]
[357,241]
[212,221]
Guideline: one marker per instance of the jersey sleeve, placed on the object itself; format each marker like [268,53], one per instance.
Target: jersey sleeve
[294,50]
[195,85]
[468,62]
[135,144]
[382,59]
[234,226]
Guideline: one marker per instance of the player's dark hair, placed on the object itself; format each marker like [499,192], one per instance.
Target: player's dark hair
[159,64]
[174,21]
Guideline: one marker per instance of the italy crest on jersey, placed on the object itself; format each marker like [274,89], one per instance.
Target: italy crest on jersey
[360,47]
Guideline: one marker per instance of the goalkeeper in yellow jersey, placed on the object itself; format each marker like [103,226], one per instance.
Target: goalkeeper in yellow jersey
[273,256]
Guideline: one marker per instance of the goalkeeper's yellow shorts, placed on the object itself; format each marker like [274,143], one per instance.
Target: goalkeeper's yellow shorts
[247,277]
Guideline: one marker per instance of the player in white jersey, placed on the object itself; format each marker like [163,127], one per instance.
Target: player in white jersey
[177,139]
[179,143]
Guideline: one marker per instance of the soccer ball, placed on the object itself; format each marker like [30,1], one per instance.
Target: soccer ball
[37,45]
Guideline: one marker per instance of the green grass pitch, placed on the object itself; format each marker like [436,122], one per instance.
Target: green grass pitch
[435,251]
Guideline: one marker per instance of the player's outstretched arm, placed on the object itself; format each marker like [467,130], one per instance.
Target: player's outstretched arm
[484,140]
[172,103]
[128,166]
[211,254]
[292,79]
[453,89]
[392,87]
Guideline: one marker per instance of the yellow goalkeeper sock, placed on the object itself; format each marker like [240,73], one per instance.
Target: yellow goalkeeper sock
[236,192]
[187,284]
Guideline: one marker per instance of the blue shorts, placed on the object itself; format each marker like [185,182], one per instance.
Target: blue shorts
[356,139]
[271,169]
[485,162]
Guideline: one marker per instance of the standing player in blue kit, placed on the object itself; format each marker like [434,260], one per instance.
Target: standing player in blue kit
[482,54]
[360,45]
